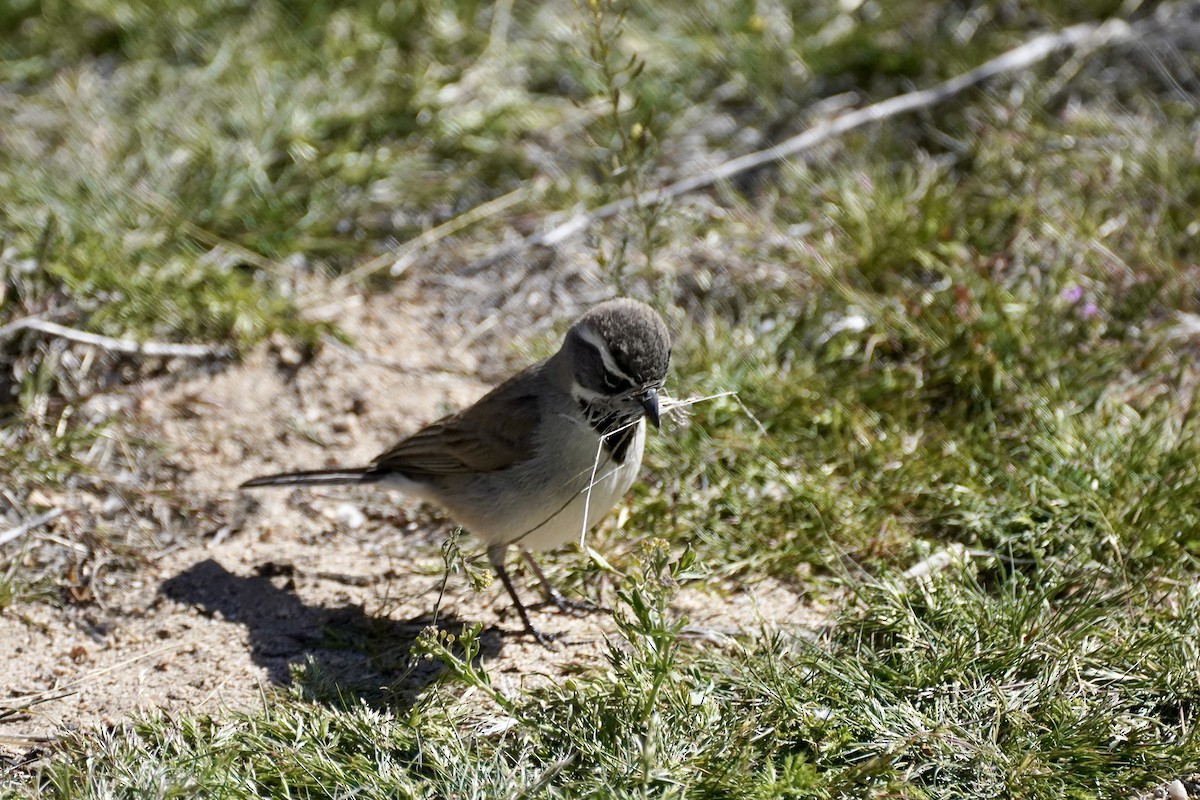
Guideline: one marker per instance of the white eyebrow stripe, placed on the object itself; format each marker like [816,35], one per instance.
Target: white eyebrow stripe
[588,335]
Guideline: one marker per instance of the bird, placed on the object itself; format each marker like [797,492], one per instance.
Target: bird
[545,455]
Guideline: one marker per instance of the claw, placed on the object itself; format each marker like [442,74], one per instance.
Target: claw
[553,596]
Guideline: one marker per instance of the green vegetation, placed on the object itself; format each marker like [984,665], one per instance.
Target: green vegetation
[1017,689]
[963,331]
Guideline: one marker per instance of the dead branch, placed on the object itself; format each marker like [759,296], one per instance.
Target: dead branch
[128,346]
[17,325]
[1026,55]
[25,527]
[402,257]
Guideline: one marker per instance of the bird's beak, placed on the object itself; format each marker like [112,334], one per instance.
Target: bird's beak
[650,403]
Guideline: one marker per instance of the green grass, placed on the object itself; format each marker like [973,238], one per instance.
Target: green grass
[1041,684]
[954,330]
[963,358]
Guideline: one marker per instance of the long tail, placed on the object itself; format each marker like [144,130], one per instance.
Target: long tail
[313,477]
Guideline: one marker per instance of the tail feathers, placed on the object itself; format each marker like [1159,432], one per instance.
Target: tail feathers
[312,477]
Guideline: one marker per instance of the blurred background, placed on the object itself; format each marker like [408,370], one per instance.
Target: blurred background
[970,327]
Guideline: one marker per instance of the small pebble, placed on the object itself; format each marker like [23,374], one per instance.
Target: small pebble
[285,352]
[348,516]
[111,507]
[1175,790]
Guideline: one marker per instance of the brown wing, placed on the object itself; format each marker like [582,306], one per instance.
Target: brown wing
[494,433]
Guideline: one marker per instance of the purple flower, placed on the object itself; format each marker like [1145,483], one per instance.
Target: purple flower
[1088,310]
[1072,294]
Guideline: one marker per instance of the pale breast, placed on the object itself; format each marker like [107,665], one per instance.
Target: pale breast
[541,504]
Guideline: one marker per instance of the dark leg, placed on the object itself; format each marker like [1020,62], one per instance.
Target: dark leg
[553,596]
[495,555]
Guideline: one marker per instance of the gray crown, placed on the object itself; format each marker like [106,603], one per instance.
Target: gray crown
[636,336]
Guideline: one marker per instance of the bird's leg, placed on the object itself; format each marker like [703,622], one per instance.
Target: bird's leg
[495,555]
[554,596]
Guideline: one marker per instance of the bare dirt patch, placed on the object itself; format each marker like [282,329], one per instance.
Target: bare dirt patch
[256,583]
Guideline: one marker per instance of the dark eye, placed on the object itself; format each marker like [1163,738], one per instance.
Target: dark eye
[614,384]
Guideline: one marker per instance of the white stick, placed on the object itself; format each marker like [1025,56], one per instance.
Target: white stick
[25,527]
[402,257]
[952,554]
[587,497]
[1037,49]
[158,349]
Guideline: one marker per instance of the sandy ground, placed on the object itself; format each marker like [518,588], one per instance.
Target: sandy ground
[252,584]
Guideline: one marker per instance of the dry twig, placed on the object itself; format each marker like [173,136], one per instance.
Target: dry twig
[128,346]
[25,527]
[402,257]
[1037,49]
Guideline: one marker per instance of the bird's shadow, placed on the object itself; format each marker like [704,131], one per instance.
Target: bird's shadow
[348,655]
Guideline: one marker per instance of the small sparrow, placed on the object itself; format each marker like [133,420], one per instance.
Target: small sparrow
[558,441]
